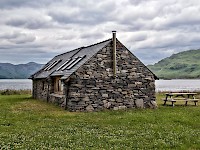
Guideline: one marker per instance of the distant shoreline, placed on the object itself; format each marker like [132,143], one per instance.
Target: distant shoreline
[161,85]
[159,78]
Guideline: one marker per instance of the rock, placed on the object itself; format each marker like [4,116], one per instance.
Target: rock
[86,99]
[104,95]
[133,73]
[108,69]
[119,89]
[149,78]
[89,108]
[112,100]
[122,107]
[95,105]
[81,103]
[131,85]
[153,104]
[105,101]
[124,92]
[130,77]
[63,104]
[86,76]
[124,71]
[139,103]
[116,108]
[89,72]
[119,100]
[138,83]
[107,105]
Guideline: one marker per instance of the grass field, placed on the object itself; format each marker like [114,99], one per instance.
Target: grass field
[26,123]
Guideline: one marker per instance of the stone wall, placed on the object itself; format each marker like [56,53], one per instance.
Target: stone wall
[93,86]
[44,90]
[40,89]
[57,99]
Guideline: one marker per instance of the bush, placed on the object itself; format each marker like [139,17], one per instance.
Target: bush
[14,92]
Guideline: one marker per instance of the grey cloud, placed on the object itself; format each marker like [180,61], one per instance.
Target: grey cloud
[179,15]
[12,3]
[150,56]
[155,15]
[5,4]
[19,38]
[182,21]
[137,37]
[29,51]
[66,37]
[8,35]
[26,57]
[161,42]
[19,48]
[97,5]
[32,23]
[84,13]
[32,19]
[153,29]
[97,35]
[78,18]
[137,2]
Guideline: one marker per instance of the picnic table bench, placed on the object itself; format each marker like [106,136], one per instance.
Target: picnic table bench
[180,97]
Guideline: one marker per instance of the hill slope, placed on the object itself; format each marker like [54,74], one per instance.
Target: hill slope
[21,71]
[184,65]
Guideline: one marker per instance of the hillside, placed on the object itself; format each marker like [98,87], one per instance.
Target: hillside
[184,65]
[21,71]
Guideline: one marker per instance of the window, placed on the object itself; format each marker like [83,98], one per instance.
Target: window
[43,85]
[58,85]
[70,63]
[77,60]
[50,66]
[66,62]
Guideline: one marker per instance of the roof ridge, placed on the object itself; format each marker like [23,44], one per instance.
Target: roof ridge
[95,43]
[68,52]
[83,47]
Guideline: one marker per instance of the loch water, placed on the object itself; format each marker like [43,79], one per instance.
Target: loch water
[15,84]
[161,85]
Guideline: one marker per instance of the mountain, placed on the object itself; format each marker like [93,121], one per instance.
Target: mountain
[21,71]
[183,65]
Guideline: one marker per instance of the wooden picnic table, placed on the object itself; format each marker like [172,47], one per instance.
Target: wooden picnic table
[185,97]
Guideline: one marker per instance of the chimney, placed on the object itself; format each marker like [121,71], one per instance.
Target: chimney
[114,52]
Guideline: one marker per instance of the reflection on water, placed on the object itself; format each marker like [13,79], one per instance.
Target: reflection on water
[161,85]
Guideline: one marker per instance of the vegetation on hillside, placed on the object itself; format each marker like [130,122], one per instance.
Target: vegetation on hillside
[184,65]
[26,123]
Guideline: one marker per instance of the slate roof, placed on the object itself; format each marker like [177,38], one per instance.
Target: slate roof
[60,64]
[57,67]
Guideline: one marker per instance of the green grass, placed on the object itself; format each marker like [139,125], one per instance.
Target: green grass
[26,123]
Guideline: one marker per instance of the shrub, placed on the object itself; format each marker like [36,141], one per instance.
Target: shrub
[14,92]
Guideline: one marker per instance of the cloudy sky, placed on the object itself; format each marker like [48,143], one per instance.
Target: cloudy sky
[37,30]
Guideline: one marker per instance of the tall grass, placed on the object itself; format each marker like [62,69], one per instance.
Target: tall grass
[14,92]
[26,123]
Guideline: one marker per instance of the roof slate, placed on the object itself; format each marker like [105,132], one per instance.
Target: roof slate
[88,52]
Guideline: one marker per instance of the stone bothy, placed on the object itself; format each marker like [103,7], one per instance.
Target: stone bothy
[104,75]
